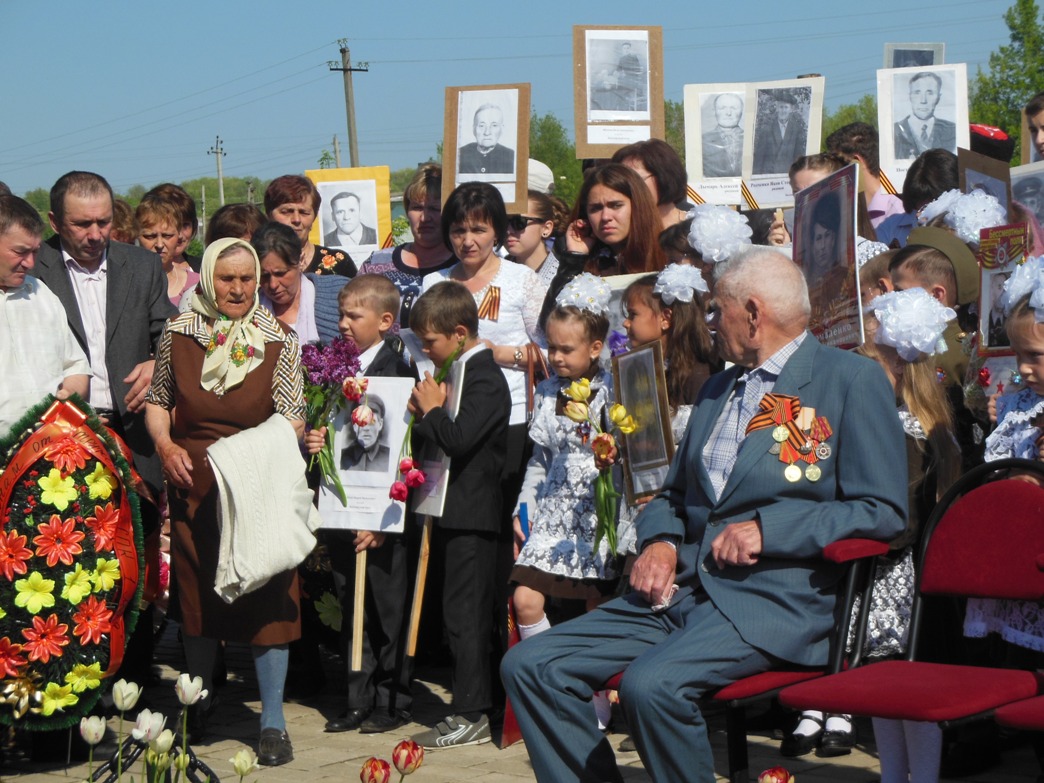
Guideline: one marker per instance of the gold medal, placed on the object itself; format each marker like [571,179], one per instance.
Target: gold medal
[780,434]
[813,472]
[792,473]
[823,451]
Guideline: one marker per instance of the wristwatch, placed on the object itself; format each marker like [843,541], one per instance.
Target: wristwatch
[518,357]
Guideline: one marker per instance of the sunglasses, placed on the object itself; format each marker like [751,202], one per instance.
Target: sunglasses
[522,222]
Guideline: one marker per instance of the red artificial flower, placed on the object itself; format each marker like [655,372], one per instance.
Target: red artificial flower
[92,620]
[415,478]
[13,554]
[58,541]
[103,526]
[10,660]
[398,491]
[45,638]
[66,454]
[406,465]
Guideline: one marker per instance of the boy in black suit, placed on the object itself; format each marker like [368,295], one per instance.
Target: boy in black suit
[445,319]
[378,695]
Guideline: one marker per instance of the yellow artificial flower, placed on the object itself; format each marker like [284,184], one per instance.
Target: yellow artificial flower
[57,697]
[105,574]
[577,411]
[57,491]
[329,610]
[34,593]
[77,585]
[579,390]
[83,677]
[101,482]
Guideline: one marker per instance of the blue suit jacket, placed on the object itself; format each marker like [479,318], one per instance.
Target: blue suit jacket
[785,604]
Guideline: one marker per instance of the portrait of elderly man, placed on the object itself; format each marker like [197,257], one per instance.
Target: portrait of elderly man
[723,144]
[365,450]
[348,231]
[921,130]
[781,135]
[730,580]
[486,155]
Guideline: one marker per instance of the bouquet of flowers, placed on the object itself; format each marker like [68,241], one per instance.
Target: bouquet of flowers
[410,474]
[603,445]
[328,369]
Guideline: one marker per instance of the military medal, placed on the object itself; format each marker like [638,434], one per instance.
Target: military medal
[780,434]
[823,451]
[775,448]
[792,473]
[813,472]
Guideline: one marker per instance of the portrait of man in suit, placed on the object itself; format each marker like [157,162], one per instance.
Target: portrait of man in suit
[921,129]
[723,144]
[486,155]
[780,136]
[349,231]
[996,334]
[366,451]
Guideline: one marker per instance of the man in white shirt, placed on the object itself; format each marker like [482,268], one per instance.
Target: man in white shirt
[37,355]
[115,299]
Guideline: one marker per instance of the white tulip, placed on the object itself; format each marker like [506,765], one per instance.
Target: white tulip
[189,689]
[92,729]
[125,695]
[163,743]
[148,726]
[244,762]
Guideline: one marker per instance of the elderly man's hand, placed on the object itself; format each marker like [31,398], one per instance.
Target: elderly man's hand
[739,544]
[140,379]
[177,465]
[653,572]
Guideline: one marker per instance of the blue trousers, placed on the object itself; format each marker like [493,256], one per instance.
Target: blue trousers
[671,658]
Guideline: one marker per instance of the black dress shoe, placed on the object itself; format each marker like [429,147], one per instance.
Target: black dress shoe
[349,720]
[836,743]
[381,721]
[274,748]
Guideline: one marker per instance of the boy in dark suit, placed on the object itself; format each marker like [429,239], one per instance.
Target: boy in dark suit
[445,319]
[378,695]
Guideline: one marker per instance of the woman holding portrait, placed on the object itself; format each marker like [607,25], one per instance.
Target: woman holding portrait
[227,365]
[294,201]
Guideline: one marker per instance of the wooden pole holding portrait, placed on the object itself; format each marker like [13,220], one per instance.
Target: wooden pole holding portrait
[358,611]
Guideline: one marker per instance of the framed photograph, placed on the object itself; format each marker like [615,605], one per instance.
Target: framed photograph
[641,387]
[919,109]
[368,460]
[430,497]
[617,87]
[981,172]
[1001,249]
[486,139]
[914,55]
[784,121]
[1027,187]
[355,213]
[824,248]
[1029,151]
[715,140]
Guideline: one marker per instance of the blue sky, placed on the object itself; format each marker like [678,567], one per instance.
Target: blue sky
[138,91]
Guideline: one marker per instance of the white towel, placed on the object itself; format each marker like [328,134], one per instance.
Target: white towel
[265,509]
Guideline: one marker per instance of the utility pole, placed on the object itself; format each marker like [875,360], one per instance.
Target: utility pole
[203,205]
[346,68]
[219,154]
[337,151]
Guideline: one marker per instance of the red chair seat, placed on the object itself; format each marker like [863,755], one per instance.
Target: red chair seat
[914,691]
[1028,714]
[766,682]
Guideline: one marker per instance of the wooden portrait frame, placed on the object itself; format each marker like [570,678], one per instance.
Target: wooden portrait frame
[713,189]
[599,131]
[644,477]
[938,51]
[991,175]
[512,185]
[1001,249]
[331,181]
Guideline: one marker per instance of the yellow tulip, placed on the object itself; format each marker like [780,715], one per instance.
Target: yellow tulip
[577,411]
[617,413]
[580,390]
[627,425]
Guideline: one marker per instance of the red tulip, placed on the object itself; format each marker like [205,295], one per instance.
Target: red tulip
[362,416]
[407,756]
[776,775]
[375,770]
[604,448]
[398,491]
[354,388]
[406,464]
[415,478]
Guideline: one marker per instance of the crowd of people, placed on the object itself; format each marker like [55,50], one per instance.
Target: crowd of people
[716,576]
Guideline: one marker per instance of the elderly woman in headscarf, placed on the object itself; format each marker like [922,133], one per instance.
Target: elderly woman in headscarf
[227,366]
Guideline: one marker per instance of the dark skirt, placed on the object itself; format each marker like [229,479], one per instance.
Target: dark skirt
[562,586]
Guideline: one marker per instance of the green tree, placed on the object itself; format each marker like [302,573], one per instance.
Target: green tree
[1013,76]
[326,160]
[549,142]
[674,126]
[863,110]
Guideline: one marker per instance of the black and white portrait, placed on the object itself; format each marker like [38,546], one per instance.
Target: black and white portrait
[991,186]
[1028,190]
[780,128]
[924,100]
[348,214]
[366,446]
[722,137]
[487,130]
[617,74]
[993,328]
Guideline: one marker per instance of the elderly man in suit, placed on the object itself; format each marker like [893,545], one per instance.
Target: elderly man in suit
[737,530]
[349,231]
[780,139]
[723,144]
[115,298]
[921,130]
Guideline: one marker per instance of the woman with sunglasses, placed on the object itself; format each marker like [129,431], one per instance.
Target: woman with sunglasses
[528,234]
